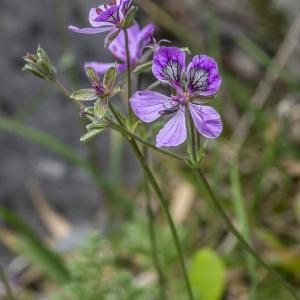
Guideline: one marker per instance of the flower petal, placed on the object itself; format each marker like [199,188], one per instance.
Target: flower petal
[111,15]
[174,133]
[100,68]
[90,30]
[144,38]
[203,77]
[207,120]
[169,65]
[117,47]
[147,105]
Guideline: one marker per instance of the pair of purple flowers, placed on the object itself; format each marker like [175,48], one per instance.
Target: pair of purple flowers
[199,80]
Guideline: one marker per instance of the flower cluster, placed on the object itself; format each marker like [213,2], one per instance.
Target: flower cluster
[191,85]
[108,18]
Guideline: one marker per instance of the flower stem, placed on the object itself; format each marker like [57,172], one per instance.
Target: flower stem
[152,235]
[240,238]
[164,205]
[129,86]
[6,285]
[125,132]
[191,141]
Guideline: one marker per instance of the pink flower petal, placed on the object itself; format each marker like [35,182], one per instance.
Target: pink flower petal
[169,65]
[90,30]
[174,133]
[207,120]
[100,68]
[147,105]
[203,77]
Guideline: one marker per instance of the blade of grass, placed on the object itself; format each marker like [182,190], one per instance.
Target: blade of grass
[240,210]
[45,258]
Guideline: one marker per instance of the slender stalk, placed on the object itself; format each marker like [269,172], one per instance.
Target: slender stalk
[152,235]
[125,132]
[164,205]
[129,86]
[240,238]
[192,141]
[65,92]
[241,212]
[6,285]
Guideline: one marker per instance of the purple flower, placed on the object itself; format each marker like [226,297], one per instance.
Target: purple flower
[199,80]
[106,18]
[138,40]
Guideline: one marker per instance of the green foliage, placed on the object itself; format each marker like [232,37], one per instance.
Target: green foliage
[207,275]
[96,274]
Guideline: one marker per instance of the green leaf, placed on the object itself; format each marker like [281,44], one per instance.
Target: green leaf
[85,95]
[100,108]
[109,78]
[130,18]
[40,255]
[90,135]
[92,75]
[207,275]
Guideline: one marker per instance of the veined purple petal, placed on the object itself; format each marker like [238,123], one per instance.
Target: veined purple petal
[203,77]
[117,47]
[174,132]
[207,120]
[100,68]
[111,15]
[90,30]
[169,65]
[147,105]
[144,39]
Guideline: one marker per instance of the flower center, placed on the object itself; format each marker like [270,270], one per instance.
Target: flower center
[182,98]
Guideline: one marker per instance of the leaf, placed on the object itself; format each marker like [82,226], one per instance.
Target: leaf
[92,75]
[207,275]
[85,95]
[90,135]
[109,78]
[130,18]
[100,108]
[40,255]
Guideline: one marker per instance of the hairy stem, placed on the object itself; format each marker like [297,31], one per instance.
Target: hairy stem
[235,232]
[6,285]
[152,235]
[129,83]
[164,205]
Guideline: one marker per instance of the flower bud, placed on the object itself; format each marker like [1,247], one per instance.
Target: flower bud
[40,65]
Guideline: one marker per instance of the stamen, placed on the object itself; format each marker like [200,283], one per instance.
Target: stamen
[98,11]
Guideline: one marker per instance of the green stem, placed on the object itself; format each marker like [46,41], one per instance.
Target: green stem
[6,285]
[129,86]
[240,238]
[192,141]
[164,205]
[241,212]
[152,235]
[125,132]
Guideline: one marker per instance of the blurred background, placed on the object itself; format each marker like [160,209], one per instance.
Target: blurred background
[55,191]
